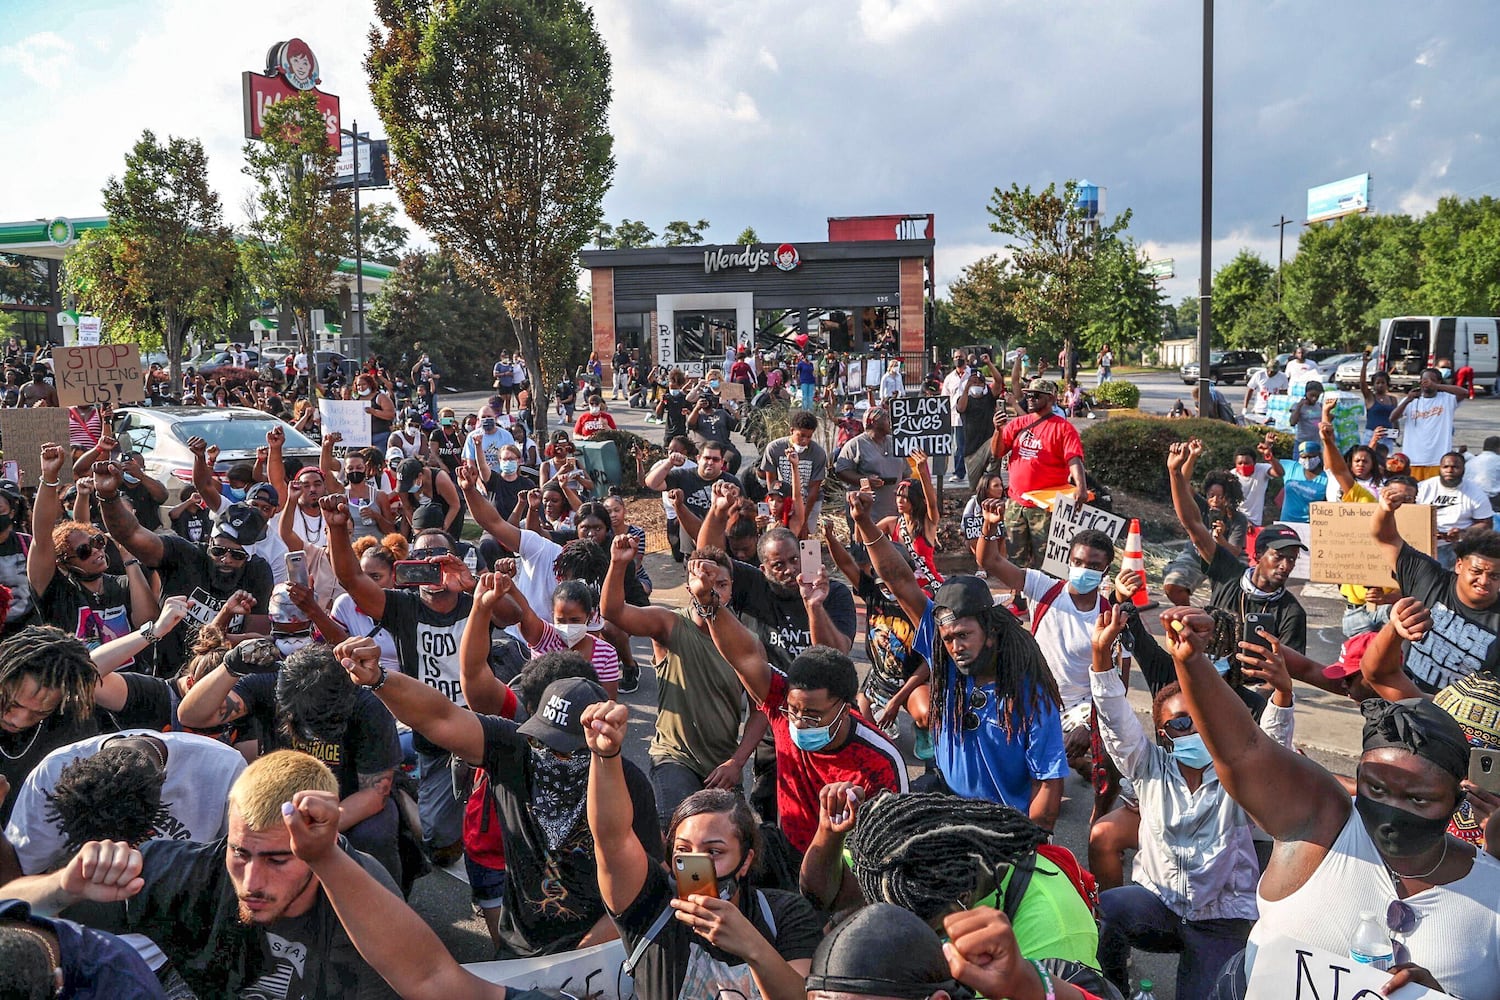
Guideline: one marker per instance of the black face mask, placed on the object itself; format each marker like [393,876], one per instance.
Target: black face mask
[354,477]
[6,521]
[984,665]
[1396,832]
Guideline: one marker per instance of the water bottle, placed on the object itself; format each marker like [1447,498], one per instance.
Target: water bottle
[1146,992]
[1372,945]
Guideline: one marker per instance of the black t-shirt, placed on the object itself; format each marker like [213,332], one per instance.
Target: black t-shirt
[427,645]
[504,493]
[551,897]
[663,967]
[78,611]
[979,420]
[697,492]
[567,391]
[188,908]
[714,425]
[1461,639]
[369,745]
[1226,572]
[150,703]
[147,510]
[187,570]
[781,623]
[20,752]
[674,412]
[195,525]
[751,485]
[449,449]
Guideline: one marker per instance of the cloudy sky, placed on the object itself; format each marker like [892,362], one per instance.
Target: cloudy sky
[780,113]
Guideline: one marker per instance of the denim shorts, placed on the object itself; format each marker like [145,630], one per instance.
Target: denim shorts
[486,885]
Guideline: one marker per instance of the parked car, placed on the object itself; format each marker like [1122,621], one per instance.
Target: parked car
[160,434]
[1225,367]
[207,362]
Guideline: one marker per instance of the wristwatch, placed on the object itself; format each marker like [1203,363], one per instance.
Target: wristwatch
[148,632]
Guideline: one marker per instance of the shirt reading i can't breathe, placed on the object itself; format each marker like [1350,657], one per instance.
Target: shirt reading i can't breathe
[427,645]
[1461,639]
[781,622]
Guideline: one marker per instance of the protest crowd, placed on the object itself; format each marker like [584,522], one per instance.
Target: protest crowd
[241,716]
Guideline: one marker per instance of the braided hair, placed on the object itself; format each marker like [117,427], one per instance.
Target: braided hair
[56,661]
[113,795]
[924,852]
[1024,685]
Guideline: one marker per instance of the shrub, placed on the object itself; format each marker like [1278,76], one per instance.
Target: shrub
[1118,392]
[1131,452]
[767,424]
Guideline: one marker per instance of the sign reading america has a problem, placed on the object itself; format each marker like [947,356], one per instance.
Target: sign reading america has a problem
[920,423]
[98,375]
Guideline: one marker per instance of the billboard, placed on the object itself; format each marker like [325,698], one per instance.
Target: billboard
[1345,197]
[372,163]
[851,228]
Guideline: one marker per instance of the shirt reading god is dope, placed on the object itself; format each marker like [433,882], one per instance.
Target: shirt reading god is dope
[427,645]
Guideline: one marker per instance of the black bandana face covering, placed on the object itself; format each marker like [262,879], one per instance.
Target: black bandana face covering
[559,793]
[1396,832]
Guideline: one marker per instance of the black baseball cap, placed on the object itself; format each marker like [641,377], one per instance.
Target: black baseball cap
[1277,536]
[962,597]
[241,522]
[882,950]
[409,471]
[558,721]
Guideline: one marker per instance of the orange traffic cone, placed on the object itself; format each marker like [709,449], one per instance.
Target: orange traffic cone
[1135,558]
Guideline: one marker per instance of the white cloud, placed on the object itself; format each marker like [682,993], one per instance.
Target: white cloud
[43,57]
[889,21]
[768,59]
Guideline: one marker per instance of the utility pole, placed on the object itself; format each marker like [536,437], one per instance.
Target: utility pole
[1281,225]
[1205,263]
[359,262]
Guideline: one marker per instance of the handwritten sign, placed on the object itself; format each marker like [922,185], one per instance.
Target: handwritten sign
[1348,415]
[732,392]
[593,972]
[1286,970]
[920,423]
[348,417]
[23,432]
[1068,519]
[98,375]
[1344,551]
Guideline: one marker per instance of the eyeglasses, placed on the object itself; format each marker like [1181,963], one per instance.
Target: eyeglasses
[430,553]
[1181,724]
[978,699]
[95,544]
[219,551]
[808,721]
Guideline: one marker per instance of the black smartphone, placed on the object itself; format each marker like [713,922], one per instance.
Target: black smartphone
[418,573]
[1254,621]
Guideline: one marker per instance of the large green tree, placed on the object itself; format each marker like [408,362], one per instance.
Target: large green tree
[166,261]
[298,227]
[1122,307]
[461,324]
[1238,286]
[981,304]
[497,112]
[384,239]
[1325,291]
[1053,246]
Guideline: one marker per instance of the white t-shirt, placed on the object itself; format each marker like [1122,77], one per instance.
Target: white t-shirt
[1301,371]
[1483,470]
[954,384]
[535,578]
[1066,636]
[1263,387]
[359,625]
[1427,428]
[1254,488]
[193,797]
[1458,506]
[301,362]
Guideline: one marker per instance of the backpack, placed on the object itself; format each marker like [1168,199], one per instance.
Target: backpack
[1063,858]
[1051,596]
[484,842]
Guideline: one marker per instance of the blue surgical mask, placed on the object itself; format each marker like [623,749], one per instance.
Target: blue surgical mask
[132,480]
[1189,751]
[234,494]
[713,383]
[1084,579]
[509,466]
[813,740]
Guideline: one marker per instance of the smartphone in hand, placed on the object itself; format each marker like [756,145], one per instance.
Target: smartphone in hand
[811,551]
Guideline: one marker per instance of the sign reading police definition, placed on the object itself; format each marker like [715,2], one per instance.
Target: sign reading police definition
[920,423]
[104,374]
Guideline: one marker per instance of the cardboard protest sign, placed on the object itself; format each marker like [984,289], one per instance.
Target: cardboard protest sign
[1286,970]
[732,392]
[920,423]
[1342,550]
[854,377]
[24,431]
[595,972]
[348,417]
[1068,519]
[98,375]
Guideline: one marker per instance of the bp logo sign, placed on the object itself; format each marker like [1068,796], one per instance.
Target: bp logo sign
[60,232]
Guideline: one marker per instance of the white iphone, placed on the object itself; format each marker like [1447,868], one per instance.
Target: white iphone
[812,559]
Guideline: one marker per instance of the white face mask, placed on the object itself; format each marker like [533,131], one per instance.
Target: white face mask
[799,448]
[572,634]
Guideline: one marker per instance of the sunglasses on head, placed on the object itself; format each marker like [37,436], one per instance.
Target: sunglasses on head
[430,553]
[1181,724]
[239,555]
[88,548]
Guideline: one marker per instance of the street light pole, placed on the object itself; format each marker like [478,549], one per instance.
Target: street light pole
[359,261]
[1205,263]
[1281,225]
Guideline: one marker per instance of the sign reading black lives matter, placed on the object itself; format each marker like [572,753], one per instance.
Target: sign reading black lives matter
[920,423]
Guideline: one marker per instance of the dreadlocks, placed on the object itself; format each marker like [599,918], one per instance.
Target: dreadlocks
[924,852]
[53,659]
[113,795]
[1023,683]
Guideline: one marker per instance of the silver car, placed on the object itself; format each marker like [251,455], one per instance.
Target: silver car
[160,434]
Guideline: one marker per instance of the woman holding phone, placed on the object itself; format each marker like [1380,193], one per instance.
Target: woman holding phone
[730,940]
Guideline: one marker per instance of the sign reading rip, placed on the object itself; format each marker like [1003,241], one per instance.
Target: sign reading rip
[1068,519]
[920,423]
[98,375]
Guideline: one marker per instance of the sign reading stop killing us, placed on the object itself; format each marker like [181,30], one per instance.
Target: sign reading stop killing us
[98,375]
[920,423]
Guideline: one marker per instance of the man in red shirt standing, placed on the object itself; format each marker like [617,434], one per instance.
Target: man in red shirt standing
[1045,453]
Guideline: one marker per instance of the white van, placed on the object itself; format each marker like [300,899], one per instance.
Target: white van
[1408,344]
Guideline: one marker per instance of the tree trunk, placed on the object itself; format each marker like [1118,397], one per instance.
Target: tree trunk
[526,328]
[171,338]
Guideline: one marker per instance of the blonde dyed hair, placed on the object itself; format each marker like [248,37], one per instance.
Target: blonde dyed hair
[259,791]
